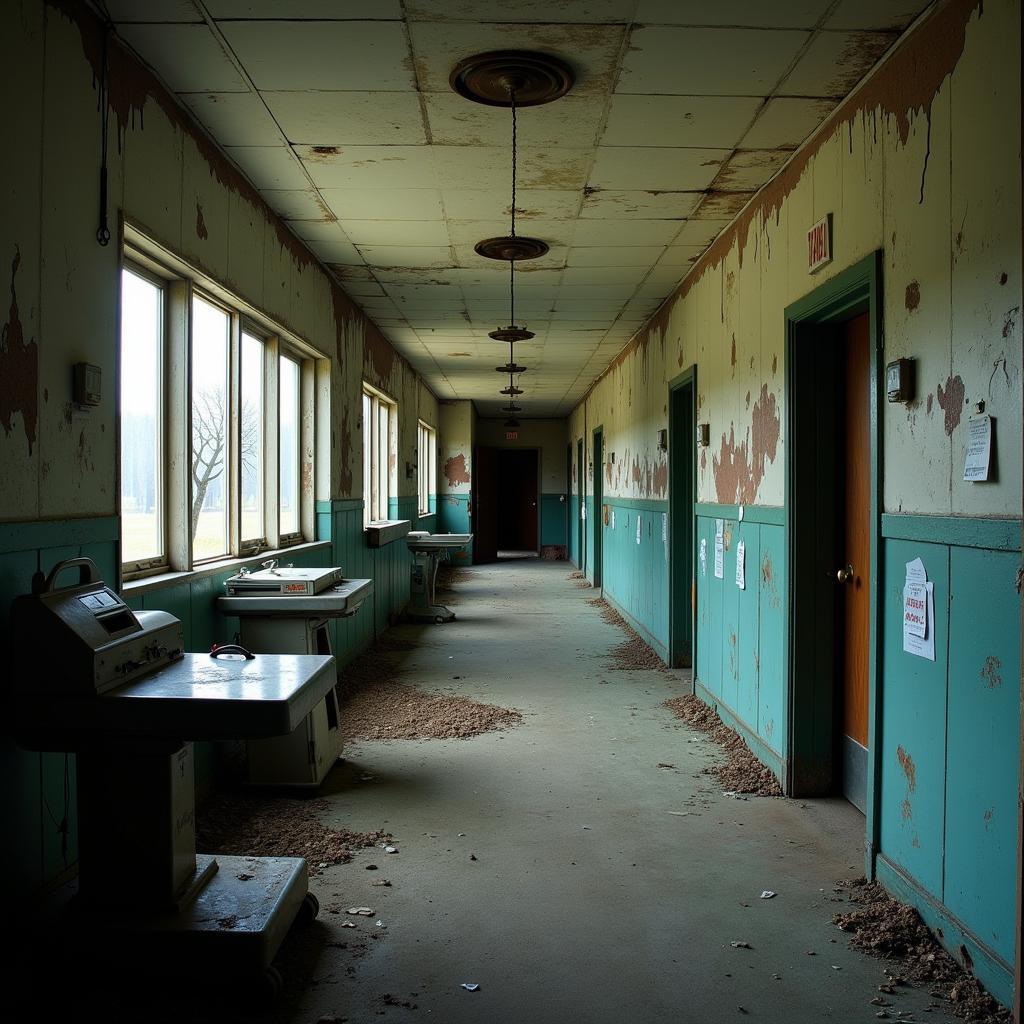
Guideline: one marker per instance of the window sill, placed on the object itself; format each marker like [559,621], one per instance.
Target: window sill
[224,565]
[386,531]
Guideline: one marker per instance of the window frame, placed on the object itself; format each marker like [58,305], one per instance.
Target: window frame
[182,284]
[426,463]
[154,563]
[379,476]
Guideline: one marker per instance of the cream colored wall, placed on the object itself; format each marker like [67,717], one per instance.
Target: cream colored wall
[61,287]
[456,420]
[923,162]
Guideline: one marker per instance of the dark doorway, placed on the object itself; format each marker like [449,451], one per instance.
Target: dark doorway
[598,527]
[485,505]
[831,370]
[682,475]
[517,529]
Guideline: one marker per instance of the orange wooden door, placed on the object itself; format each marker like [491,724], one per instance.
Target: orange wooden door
[856,603]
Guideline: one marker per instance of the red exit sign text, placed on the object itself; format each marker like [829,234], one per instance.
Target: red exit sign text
[511,435]
[819,244]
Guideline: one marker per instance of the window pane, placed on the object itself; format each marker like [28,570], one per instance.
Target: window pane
[289,442]
[142,531]
[367,462]
[383,468]
[209,430]
[251,441]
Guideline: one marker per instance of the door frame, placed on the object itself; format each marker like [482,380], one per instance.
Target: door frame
[681,556]
[597,454]
[581,493]
[568,500]
[809,714]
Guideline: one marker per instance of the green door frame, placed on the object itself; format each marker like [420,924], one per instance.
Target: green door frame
[809,724]
[597,574]
[581,492]
[682,498]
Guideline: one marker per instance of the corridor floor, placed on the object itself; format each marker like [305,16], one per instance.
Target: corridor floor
[545,864]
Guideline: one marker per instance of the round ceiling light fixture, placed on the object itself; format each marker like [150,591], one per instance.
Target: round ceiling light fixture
[511,367]
[493,78]
[511,391]
[511,248]
[511,334]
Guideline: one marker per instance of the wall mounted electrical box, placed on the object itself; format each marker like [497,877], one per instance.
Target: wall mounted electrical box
[899,380]
[87,384]
[703,435]
[662,440]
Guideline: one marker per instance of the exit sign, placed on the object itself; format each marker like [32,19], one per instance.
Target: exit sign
[511,435]
[819,244]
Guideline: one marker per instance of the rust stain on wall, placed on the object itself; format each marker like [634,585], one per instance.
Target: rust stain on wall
[951,399]
[739,468]
[19,368]
[909,769]
[912,296]
[991,672]
[929,402]
[455,471]
[732,356]
[775,365]
[201,224]
[1010,321]
[661,479]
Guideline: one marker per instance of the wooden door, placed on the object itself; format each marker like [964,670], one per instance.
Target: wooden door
[517,500]
[855,547]
[485,505]
[597,526]
[581,493]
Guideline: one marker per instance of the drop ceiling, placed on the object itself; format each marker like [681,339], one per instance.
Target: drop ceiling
[340,113]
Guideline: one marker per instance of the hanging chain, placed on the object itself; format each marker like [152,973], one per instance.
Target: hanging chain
[103,230]
[512,94]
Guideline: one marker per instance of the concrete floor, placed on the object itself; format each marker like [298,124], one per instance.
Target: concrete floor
[588,900]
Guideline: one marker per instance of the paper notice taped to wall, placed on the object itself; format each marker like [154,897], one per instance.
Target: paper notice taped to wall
[664,527]
[741,580]
[703,556]
[613,519]
[918,612]
[583,512]
[639,529]
[720,549]
[979,448]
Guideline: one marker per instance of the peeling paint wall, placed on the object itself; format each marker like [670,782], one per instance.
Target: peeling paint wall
[59,293]
[923,163]
[456,434]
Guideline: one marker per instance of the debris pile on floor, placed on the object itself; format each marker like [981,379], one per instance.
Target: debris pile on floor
[575,575]
[394,711]
[448,575]
[741,772]
[886,928]
[634,653]
[246,824]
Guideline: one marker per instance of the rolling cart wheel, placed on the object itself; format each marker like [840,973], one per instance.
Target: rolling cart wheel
[309,909]
[272,983]
[439,619]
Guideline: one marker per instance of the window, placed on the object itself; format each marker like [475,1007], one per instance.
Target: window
[380,422]
[288,449]
[427,462]
[142,478]
[205,374]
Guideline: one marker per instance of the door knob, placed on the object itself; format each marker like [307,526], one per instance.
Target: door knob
[845,575]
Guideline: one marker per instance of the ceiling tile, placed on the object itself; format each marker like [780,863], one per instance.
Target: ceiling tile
[323,118]
[592,50]
[835,62]
[721,205]
[397,204]
[346,272]
[268,166]
[892,15]
[791,14]
[614,256]
[297,204]
[708,61]
[491,167]
[368,166]
[233,118]
[700,231]
[531,204]
[321,231]
[785,121]
[659,169]
[615,204]
[295,10]
[750,169]
[455,121]
[334,250]
[625,232]
[207,69]
[407,255]
[603,275]
[677,256]
[589,11]
[360,55]
[396,232]
[122,11]
[702,121]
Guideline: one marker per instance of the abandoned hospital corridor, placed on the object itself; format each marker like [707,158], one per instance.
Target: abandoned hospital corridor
[511,512]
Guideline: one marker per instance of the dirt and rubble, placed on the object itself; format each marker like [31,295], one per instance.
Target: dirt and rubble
[883,927]
[448,576]
[378,703]
[741,772]
[252,825]
[634,653]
